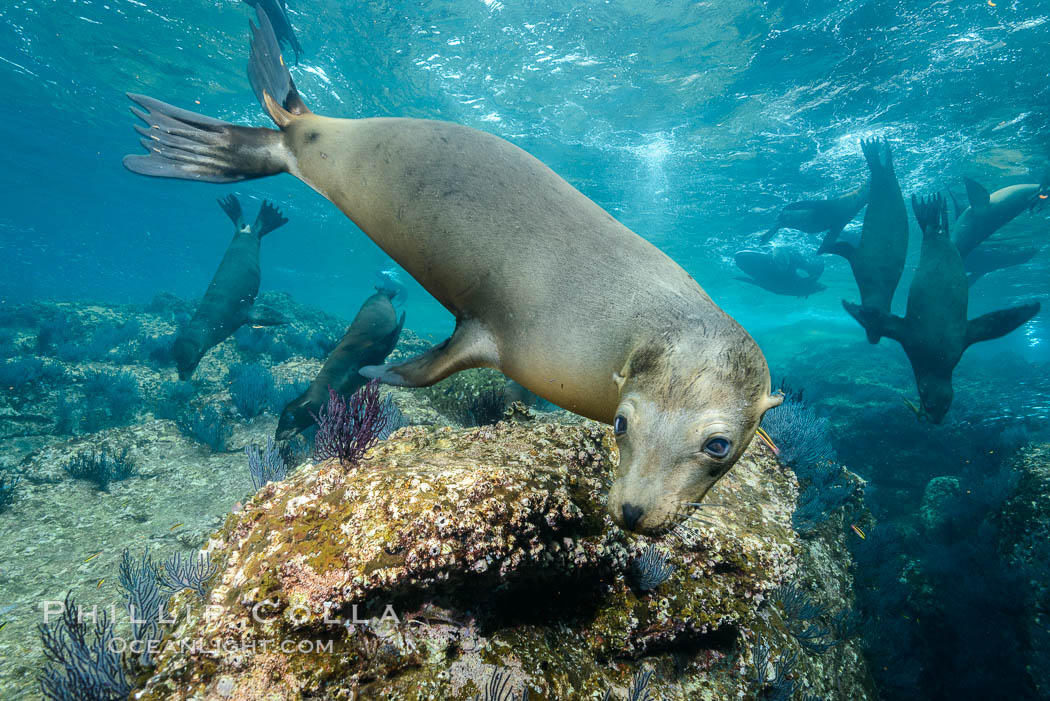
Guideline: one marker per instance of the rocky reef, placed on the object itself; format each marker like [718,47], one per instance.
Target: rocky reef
[452,554]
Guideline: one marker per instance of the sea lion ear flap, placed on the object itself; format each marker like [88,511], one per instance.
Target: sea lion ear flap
[772,401]
[621,377]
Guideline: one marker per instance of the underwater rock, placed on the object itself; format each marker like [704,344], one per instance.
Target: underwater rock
[937,498]
[450,554]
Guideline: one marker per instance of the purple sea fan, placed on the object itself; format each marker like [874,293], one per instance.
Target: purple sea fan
[348,428]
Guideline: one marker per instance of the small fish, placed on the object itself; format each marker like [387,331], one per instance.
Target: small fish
[3,624]
[93,556]
[177,525]
[860,533]
[761,433]
[991,4]
[910,405]
[1043,197]
[99,585]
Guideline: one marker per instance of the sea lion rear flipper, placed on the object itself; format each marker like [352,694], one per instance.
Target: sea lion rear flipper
[268,219]
[999,323]
[978,196]
[839,248]
[931,213]
[830,239]
[877,153]
[470,346]
[877,323]
[232,206]
[956,205]
[191,146]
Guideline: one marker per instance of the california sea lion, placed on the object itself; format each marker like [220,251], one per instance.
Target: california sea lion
[368,341]
[988,213]
[785,271]
[545,285]
[828,216]
[227,304]
[987,259]
[935,330]
[878,258]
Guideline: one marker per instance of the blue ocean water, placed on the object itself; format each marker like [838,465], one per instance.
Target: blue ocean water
[692,123]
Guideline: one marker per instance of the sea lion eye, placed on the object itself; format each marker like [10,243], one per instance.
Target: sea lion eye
[619,425]
[717,447]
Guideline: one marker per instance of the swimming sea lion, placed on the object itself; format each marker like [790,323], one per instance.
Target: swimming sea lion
[277,12]
[878,258]
[785,271]
[545,285]
[935,331]
[988,213]
[820,216]
[367,341]
[227,304]
[987,259]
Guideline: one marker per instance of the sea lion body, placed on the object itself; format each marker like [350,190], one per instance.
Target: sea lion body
[935,330]
[988,213]
[988,260]
[878,258]
[368,340]
[827,217]
[228,302]
[784,271]
[545,285]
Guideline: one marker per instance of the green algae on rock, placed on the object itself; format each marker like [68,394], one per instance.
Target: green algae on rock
[452,553]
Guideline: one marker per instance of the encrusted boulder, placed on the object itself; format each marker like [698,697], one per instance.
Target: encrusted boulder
[451,554]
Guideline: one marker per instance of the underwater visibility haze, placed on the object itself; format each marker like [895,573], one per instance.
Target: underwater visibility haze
[483,349]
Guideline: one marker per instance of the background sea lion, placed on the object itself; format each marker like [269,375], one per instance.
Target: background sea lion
[988,213]
[935,331]
[819,216]
[877,260]
[987,259]
[368,341]
[227,303]
[277,12]
[784,271]
[545,285]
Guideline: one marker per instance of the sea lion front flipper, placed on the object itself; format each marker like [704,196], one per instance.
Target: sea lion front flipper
[839,248]
[877,323]
[830,239]
[470,346]
[268,219]
[771,233]
[999,323]
[978,196]
[232,206]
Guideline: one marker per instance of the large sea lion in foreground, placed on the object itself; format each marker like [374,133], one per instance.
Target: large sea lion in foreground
[935,330]
[826,217]
[785,271]
[878,258]
[368,341]
[228,302]
[545,285]
[988,213]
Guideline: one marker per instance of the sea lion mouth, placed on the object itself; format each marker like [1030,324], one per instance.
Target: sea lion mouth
[681,526]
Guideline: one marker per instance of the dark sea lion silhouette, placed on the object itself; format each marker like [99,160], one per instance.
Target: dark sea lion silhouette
[988,213]
[828,216]
[545,285]
[277,12]
[986,259]
[934,332]
[228,303]
[784,271]
[368,340]
[878,258]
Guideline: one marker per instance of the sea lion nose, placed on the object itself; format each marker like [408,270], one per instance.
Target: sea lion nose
[631,515]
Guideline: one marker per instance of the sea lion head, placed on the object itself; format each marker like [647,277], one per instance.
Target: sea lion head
[935,396]
[187,355]
[687,412]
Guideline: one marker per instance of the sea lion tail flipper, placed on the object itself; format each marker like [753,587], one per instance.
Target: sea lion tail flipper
[977,194]
[232,206]
[268,219]
[269,75]
[999,323]
[191,146]
[931,213]
[470,346]
[877,154]
[877,323]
